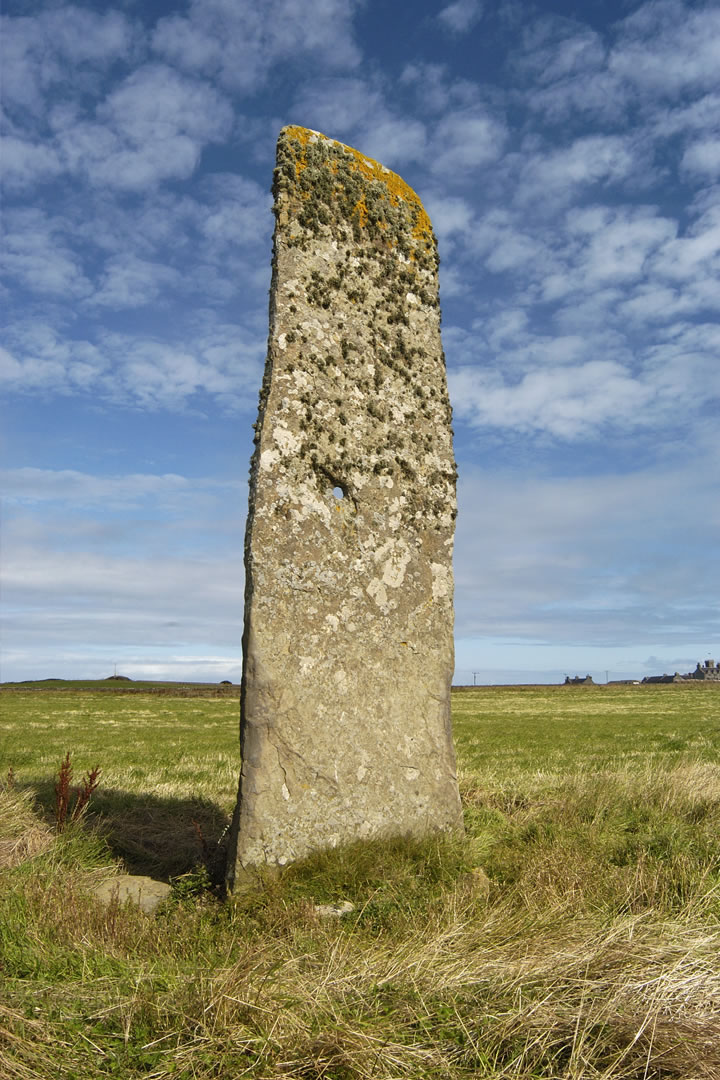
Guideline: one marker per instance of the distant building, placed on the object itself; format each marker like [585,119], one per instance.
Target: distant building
[707,671]
[578,680]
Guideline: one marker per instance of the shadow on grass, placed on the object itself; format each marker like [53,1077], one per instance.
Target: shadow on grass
[162,837]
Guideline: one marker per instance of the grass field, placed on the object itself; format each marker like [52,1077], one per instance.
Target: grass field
[573,933]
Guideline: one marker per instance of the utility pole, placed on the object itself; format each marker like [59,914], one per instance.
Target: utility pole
[475,675]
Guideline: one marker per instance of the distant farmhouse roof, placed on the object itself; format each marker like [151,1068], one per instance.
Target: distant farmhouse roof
[708,671]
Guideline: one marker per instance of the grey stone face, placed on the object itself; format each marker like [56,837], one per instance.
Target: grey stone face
[348,652]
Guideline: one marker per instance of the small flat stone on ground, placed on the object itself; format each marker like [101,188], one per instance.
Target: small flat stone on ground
[146,892]
[334,910]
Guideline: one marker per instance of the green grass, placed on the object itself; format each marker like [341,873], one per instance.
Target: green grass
[573,933]
[166,762]
[556,727]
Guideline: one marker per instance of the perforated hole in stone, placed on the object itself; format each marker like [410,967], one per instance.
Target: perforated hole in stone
[338,492]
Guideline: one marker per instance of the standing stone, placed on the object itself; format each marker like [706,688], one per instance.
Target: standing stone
[348,648]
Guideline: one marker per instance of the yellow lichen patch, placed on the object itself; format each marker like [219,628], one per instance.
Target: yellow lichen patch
[371,170]
[361,210]
[303,136]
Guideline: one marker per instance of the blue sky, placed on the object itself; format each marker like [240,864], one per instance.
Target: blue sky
[569,157]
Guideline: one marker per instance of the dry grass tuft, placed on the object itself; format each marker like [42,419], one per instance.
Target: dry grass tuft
[22,834]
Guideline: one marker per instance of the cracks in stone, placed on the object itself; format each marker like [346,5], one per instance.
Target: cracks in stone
[279,743]
[283,770]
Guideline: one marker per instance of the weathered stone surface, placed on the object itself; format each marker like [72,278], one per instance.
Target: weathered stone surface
[348,652]
[146,892]
[333,911]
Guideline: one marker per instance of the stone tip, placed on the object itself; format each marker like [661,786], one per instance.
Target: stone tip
[297,139]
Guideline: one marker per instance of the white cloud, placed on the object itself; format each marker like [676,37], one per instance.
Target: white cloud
[84,36]
[240,42]
[566,388]
[507,327]
[555,175]
[452,283]
[667,46]
[617,242]
[127,654]
[459,17]
[224,227]
[562,71]
[130,282]
[449,215]
[121,491]
[451,131]
[37,256]
[683,364]
[106,161]
[581,560]
[665,49]
[25,162]
[600,264]
[696,253]
[532,351]
[563,49]
[67,45]
[339,105]
[513,251]
[701,115]
[190,43]
[395,139]
[222,361]
[498,236]
[702,159]
[103,598]
[33,372]
[33,484]
[660,303]
[42,361]
[225,362]
[80,142]
[152,127]
[465,140]
[436,90]
[166,376]
[92,565]
[236,214]
[651,302]
[555,49]
[566,402]
[155,104]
